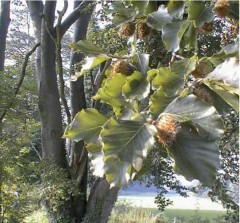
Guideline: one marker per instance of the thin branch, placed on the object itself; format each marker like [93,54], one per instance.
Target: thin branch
[59,62]
[75,15]
[19,84]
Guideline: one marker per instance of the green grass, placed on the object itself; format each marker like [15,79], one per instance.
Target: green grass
[188,214]
[124,213]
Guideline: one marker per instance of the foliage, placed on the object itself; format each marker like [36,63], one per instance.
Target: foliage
[188,121]
[168,104]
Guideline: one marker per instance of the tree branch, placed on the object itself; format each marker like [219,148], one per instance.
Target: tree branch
[19,84]
[75,15]
[59,61]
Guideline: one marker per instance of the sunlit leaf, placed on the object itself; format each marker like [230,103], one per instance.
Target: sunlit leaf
[204,117]
[228,51]
[136,87]
[227,72]
[86,126]
[170,82]
[176,8]
[158,19]
[111,91]
[195,157]
[159,101]
[90,63]
[126,144]
[86,47]
[227,92]
[96,157]
[199,13]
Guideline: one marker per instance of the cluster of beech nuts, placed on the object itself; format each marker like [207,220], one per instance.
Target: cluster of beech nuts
[167,130]
[123,67]
[141,30]
[222,7]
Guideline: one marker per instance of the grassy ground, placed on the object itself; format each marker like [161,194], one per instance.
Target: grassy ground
[124,213]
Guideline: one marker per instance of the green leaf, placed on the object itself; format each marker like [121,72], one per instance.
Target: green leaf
[204,117]
[96,157]
[172,34]
[195,157]
[176,8]
[121,13]
[158,19]
[228,51]
[125,145]
[170,82]
[228,93]
[199,13]
[86,126]
[136,86]
[141,62]
[144,7]
[151,74]
[159,101]
[86,47]
[90,63]
[189,40]
[111,92]
[227,72]
[185,66]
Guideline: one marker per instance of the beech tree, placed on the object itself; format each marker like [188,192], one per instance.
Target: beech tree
[140,103]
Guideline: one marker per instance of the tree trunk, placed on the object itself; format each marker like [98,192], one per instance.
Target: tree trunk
[51,120]
[4,23]
[79,156]
[36,10]
[101,201]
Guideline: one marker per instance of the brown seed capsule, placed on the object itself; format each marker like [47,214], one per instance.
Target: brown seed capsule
[127,29]
[201,92]
[168,129]
[143,30]
[206,28]
[201,70]
[222,7]
[123,67]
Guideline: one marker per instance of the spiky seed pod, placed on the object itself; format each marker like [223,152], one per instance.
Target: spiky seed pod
[143,30]
[123,67]
[206,28]
[168,129]
[222,7]
[127,29]
[201,92]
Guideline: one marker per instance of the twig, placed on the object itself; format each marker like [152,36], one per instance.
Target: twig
[59,61]
[22,76]
[75,15]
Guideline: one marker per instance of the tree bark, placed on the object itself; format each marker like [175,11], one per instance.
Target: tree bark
[4,23]
[36,10]
[51,120]
[101,201]
[79,156]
